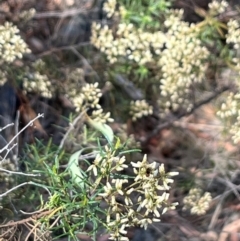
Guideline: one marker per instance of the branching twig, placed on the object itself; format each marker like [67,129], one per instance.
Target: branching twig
[67,13]
[21,185]
[6,126]
[132,91]
[32,213]
[71,127]
[185,113]
[59,14]
[24,128]
[37,216]
[20,173]
[8,151]
[33,229]
[52,50]
[16,131]
[14,188]
[84,60]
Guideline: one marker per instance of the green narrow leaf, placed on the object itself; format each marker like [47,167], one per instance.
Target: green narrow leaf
[75,171]
[105,129]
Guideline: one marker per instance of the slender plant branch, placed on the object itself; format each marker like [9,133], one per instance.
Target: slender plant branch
[23,221]
[20,173]
[33,213]
[85,61]
[24,128]
[15,157]
[14,188]
[8,151]
[185,113]
[52,50]
[6,126]
[21,185]
[68,13]
[59,14]
[71,127]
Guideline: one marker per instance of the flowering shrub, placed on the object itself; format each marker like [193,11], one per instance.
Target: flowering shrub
[150,188]
[177,53]
[160,54]
[183,62]
[174,56]
[130,200]
[132,43]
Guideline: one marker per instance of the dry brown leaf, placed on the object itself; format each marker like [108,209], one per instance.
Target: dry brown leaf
[230,230]
[209,236]
[27,114]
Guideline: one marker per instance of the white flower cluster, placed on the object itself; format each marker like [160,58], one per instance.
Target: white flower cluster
[230,113]
[182,62]
[90,94]
[139,109]
[235,131]
[230,109]
[181,56]
[101,117]
[173,18]
[231,106]
[27,15]
[109,7]
[3,78]
[233,35]
[38,83]
[12,45]
[89,98]
[128,42]
[217,7]
[150,188]
[122,11]
[197,202]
